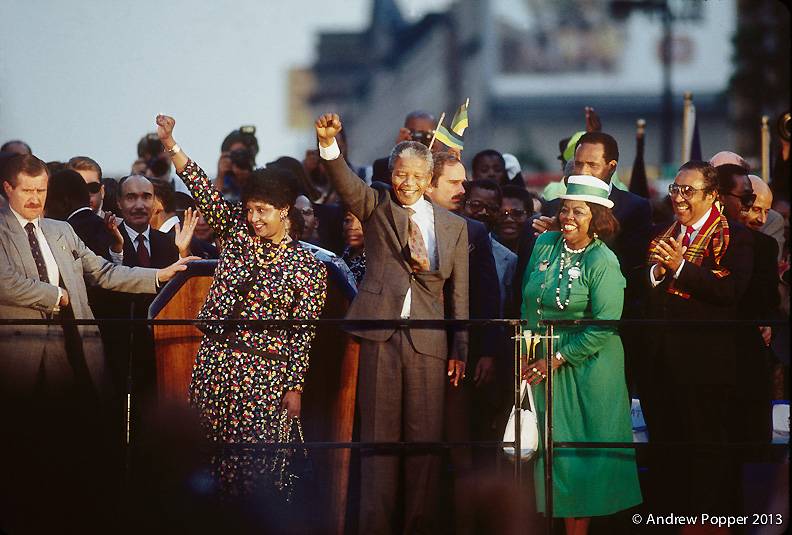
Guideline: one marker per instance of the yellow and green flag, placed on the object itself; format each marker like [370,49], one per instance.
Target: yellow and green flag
[460,120]
[448,138]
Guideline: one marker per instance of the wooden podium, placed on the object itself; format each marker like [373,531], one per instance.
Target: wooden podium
[328,402]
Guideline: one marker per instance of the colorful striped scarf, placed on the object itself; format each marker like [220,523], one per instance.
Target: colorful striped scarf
[712,239]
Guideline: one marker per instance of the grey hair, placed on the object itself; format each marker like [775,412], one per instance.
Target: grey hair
[411,149]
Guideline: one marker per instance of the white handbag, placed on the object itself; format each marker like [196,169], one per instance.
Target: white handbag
[529,430]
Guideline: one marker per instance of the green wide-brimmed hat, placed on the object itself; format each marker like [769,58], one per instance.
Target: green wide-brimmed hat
[588,189]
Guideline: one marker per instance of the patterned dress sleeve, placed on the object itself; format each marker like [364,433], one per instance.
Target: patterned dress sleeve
[219,213]
[311,292]
[606,290]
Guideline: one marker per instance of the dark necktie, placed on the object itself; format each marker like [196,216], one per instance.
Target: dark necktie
[419,258]
[144,259]
[41,266]
[686,239]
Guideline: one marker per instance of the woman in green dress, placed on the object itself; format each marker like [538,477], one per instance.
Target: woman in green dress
[572,274]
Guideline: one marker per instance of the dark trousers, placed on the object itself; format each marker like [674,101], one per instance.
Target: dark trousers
[690,479]
[400,397]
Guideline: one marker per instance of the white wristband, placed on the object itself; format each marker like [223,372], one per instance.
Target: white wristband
[330,153]
[174,150]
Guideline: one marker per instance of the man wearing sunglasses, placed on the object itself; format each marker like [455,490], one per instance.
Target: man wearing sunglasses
[91,172]
[751,403]
[700,269]
[734,190]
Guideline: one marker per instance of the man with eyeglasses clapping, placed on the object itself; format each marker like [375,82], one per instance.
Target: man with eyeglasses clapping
[699,270]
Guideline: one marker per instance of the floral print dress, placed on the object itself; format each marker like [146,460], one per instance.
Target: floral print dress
[241,372]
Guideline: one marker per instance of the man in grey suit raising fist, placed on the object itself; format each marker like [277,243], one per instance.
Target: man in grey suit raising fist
[417,267]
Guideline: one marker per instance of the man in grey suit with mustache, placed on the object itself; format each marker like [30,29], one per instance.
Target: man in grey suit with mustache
[417,267]
[44,268]
[50,375]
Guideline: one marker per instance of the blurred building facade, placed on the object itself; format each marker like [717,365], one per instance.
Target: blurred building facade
[529,67]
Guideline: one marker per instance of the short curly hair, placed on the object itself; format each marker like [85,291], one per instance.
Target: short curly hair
[270,185]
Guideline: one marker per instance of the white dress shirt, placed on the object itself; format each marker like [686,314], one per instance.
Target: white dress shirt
[133,234]
[53,273]
[683,229]
[423,217]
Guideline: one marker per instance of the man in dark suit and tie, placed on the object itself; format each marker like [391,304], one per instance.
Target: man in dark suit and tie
[700,268]
[470,409]
[744,198]
[48,387]
[143,247]
[417,268]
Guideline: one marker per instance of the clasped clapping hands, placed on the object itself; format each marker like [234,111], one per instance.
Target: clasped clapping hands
[667,256]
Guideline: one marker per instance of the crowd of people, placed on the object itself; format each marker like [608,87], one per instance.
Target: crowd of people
[417,235]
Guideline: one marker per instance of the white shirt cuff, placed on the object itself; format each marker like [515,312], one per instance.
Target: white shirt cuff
[679,269]
[116,258]
[654,281]
[56,308]
[330,153]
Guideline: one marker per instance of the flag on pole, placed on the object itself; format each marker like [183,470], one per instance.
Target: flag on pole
[691,141]
[460,120]
[695,140]
[448,138]
[638,180]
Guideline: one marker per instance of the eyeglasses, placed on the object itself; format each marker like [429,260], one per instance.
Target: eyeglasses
[516,214]
[307,211]
[683,189]
[94,187]
[746,199]
[479,206]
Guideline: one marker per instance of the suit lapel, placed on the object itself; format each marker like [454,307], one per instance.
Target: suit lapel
[443,239]
[397,216]
[398,222]
[130,254]
[20,242]
[60,250]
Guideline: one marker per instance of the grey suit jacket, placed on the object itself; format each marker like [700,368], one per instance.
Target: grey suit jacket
[24,296]
[388,274]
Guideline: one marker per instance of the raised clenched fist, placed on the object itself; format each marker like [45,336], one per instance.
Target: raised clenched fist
[327,126]
[165,126]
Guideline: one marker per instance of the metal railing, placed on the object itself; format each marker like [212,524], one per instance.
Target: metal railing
[549,444]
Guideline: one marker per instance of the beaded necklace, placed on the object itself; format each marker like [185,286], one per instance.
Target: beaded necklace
[572,273]
[281,246]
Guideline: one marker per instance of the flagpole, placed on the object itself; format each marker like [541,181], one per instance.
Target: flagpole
[765,148]
[434,134]
[686,126]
